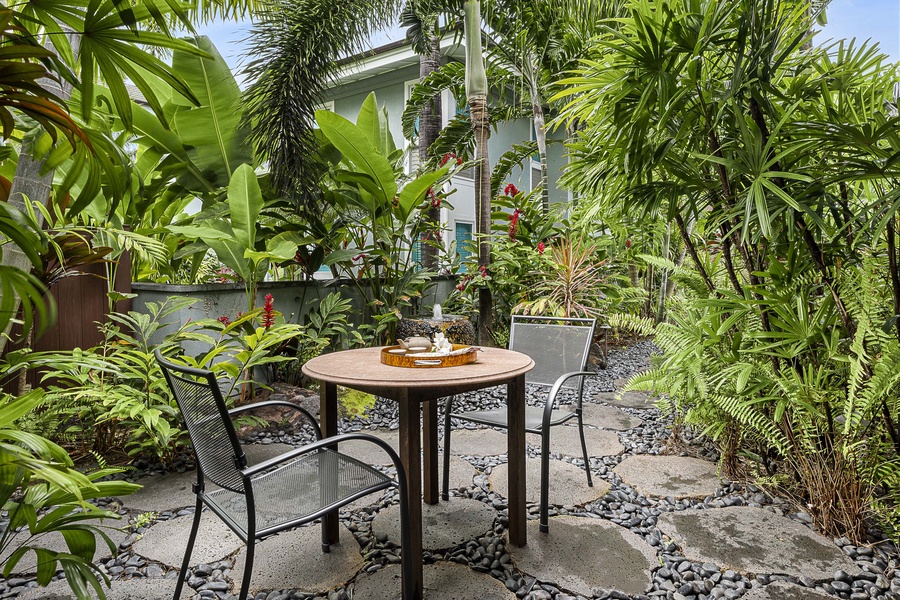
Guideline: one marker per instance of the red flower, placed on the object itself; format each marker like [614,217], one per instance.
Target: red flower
[458,161]
[460,286]
[446,158]
[483,270]
[541,247]
[510,189]
[435,199]
[628,243]
[298,258]
[514,223]
[268,312]
[224,320]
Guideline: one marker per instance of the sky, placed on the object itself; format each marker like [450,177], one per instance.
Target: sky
[878,20]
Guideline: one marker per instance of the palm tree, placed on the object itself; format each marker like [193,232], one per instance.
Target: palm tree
[476,93]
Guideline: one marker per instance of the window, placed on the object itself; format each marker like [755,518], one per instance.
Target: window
[415,254]
[463,242]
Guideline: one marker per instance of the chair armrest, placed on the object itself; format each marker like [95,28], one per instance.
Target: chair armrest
[323,443]
[557,385]
[249,407]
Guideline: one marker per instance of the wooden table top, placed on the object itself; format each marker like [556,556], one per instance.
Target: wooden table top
[362,369]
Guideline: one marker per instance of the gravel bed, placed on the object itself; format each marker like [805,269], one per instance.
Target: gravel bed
[676,579]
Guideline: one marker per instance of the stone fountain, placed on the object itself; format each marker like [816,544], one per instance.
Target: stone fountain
[456,328]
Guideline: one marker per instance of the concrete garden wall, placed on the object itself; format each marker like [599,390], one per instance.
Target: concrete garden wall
[294,299]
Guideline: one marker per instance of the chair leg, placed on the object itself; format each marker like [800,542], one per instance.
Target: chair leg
[448,402]
[195,526]
[248,568]
[587,462]
[545,480]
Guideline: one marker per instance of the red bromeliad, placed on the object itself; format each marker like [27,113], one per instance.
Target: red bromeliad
[435,199]
[514,223]
[448,156]
[541,247]
[510,189]
[268,318]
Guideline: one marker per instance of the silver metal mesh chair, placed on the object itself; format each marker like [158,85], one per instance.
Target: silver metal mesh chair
[294,488]
[560,349]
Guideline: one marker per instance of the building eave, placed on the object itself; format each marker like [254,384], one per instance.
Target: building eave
[390,57]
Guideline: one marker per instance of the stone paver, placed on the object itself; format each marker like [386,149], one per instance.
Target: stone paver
[565,440]
[754,540]
[478,442]
[782,590]
[676,476]
[444,525]
[608,417]
[370,453]
[294,560]
[132,589]
[165,542]
[568,483]
[626,399]
[174,490]
[461,472]
[443,581]
[163,492]
[54,541]
[580,554]
[461,475]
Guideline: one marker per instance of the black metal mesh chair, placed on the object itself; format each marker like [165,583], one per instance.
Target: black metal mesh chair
[560,349]
[294,488]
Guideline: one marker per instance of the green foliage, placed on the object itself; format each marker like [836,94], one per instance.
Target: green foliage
[295,45]
[713,126]
[43,494]
[21,231]
[326,329]
[113,397]
[383,214]
[354,402]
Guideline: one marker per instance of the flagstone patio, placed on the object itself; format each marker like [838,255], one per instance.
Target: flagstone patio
[651,527]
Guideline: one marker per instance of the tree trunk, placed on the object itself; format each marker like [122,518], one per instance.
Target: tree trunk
[29,182]
[540,135]
[476,91]
[692,249]
[429,129]
[664,277]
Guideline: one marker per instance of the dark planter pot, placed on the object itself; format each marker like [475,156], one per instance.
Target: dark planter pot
[457,329]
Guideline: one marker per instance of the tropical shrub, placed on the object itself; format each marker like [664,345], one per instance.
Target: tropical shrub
[42,493]
[113,397]
[383,213]
[774,162]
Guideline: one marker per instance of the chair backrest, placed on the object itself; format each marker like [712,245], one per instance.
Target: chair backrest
[208,423]
[557,345]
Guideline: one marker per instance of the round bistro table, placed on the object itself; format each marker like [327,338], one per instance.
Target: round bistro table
[414,387]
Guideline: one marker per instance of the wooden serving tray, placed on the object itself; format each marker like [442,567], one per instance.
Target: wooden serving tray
[396,359]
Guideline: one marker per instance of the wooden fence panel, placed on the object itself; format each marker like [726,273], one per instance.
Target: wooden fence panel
[80,304]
